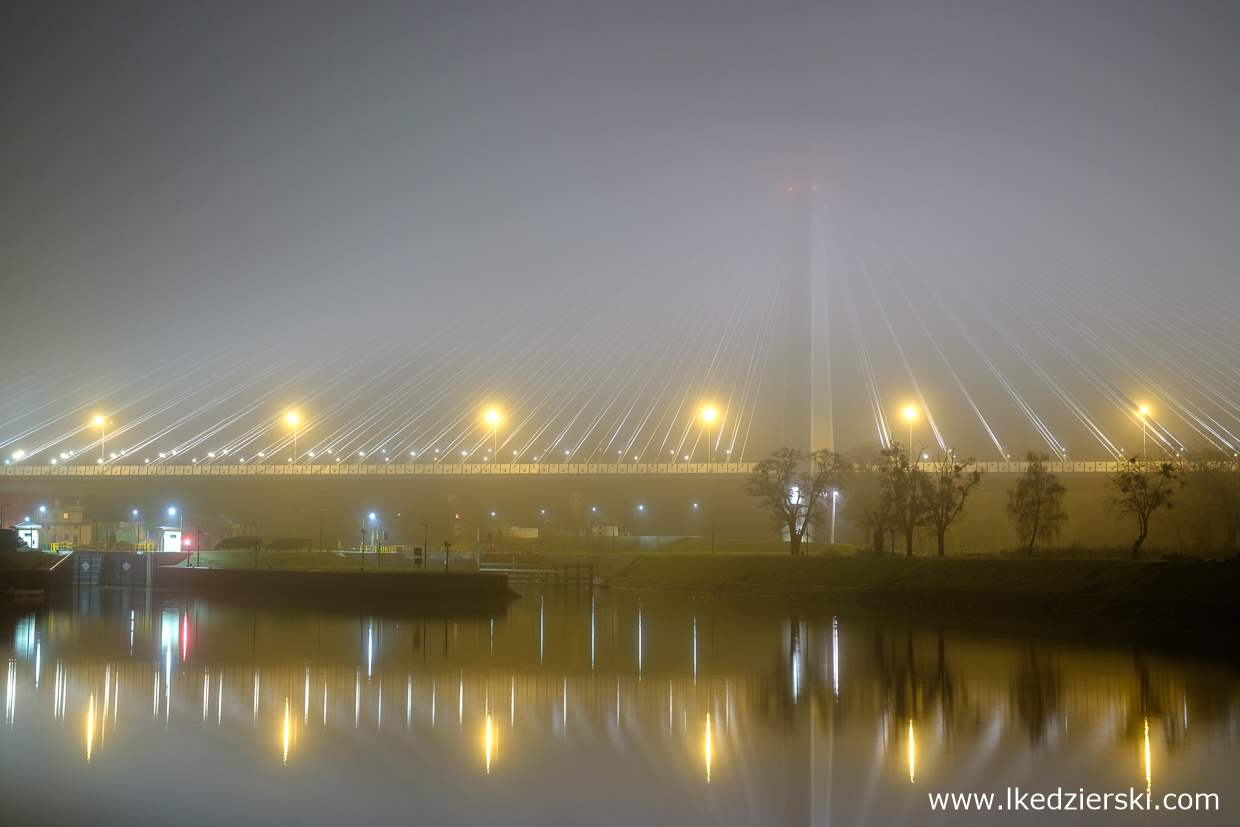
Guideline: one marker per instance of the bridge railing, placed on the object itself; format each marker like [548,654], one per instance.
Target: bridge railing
[391,469]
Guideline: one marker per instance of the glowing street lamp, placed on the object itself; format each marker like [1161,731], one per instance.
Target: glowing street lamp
[910,413]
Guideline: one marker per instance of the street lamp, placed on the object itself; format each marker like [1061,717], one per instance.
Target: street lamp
[708,416]
[910,413]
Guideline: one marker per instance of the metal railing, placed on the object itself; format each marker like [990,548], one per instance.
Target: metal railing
[410,468]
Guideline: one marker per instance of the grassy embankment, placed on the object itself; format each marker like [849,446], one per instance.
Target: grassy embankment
[1208,589]
[27,559]
[634,545]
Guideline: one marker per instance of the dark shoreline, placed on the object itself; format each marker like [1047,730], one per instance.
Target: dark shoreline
[1136,590]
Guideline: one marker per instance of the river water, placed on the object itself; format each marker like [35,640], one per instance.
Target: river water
[611,707]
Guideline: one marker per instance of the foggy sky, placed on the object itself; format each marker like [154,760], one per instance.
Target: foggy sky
[450,181]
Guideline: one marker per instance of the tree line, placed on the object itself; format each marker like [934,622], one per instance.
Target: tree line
[893,496]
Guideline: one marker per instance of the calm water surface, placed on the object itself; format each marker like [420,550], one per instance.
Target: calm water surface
[136,707]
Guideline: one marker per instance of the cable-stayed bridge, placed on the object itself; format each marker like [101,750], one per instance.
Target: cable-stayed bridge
[801,324]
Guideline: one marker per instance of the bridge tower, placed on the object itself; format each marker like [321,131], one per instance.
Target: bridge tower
[798,417]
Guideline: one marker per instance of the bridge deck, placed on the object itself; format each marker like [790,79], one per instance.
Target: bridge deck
[484,469]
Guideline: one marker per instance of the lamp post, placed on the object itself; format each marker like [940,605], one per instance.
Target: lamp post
[293,420]
[493,419]
[2,507]
[426,550]
[910,413]
[378,538]
[447,552]
[322,514]
[835,495]
[708,416]
[103,438]
[362,548]
[1144,411]
[257,542]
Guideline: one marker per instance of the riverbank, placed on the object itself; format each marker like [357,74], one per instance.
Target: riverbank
[1204,590]
[369,588]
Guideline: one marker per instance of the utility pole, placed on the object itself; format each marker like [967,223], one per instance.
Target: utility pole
[426,550]
[257,543]
[322,514]
[447,551]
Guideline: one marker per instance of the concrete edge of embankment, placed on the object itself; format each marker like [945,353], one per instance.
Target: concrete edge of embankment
[964,600]
[730,587]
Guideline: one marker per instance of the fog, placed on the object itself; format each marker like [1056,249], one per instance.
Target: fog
[595,219]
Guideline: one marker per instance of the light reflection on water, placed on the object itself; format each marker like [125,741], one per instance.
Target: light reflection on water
[622,710]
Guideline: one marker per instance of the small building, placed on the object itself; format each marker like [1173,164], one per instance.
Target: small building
[170,538]
[65,527]
[29,532]
[513,532]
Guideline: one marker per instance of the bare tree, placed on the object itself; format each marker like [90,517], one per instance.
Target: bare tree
[1138,491]
[945,489]
[903,492]
[1216,474]
[1035,506]
[794,497]
[865,505]
[1196,519]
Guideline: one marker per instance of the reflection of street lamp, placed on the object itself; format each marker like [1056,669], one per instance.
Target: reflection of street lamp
[708,416]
